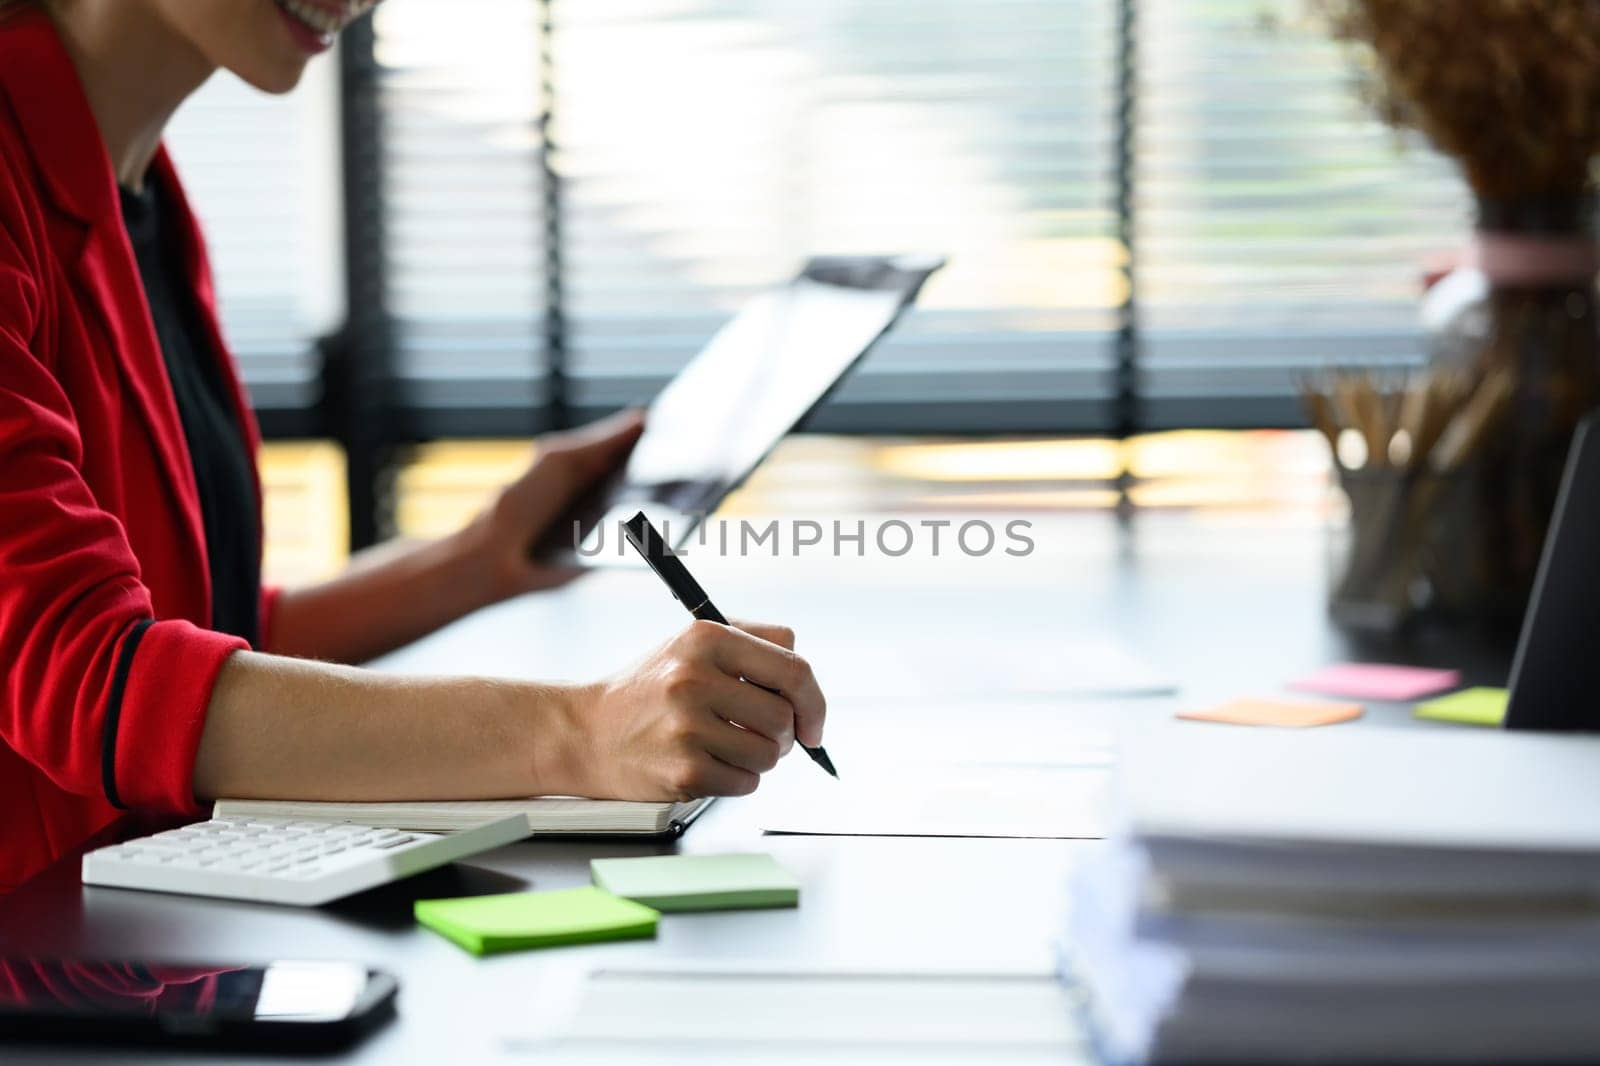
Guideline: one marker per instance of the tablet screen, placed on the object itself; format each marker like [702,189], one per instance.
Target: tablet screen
[758,378]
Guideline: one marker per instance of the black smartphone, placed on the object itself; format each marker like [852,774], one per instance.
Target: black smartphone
[283,1006]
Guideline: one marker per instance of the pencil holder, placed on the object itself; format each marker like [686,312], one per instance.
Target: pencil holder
[1392,562]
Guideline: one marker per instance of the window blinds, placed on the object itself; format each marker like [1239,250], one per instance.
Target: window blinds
[708,147]
[705,148]
[459,101]
[1279,226]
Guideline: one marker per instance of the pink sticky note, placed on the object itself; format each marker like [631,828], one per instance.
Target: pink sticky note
[1378,681]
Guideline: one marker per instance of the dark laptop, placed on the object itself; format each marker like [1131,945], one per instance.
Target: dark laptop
[1555,678]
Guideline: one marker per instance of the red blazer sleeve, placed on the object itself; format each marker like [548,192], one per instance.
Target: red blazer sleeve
[98,695]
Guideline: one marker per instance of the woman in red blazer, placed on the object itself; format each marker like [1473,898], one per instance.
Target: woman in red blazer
[120,413]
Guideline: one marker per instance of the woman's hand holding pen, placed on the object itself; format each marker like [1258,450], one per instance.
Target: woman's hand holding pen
[680,725]
[683,724]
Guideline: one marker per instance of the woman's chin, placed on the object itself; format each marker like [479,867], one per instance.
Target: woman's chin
[277,76]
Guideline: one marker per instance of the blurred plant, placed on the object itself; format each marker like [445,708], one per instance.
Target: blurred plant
[1508,88]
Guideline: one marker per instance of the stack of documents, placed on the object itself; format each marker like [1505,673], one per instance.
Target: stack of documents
[1366,895]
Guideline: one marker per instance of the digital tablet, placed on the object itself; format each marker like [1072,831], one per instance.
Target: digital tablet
[757,379]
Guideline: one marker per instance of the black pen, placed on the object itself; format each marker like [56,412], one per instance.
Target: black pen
[687,591]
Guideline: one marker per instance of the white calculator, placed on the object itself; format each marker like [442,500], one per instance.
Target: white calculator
[273,860]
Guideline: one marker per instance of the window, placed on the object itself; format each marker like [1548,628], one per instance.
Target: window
[704,148]
[1159,213]
[1280,226]
[708,148]
[459,98]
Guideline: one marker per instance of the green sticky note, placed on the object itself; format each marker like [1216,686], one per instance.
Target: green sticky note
[487,924]
[699,882]
[1474,706]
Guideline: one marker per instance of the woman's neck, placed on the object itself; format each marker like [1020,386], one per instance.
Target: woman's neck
[135,70]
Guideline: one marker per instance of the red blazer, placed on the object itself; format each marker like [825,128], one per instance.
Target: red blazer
[103,579]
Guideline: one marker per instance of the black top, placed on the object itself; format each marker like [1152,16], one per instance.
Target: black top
[223,469]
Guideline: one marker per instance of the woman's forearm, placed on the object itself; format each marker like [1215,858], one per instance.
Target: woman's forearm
[286,729]
[391,595]
[398,592]
[681,723]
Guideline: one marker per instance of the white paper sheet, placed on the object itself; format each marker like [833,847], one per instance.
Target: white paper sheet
[699,1017]
[1076,666]
[944,801]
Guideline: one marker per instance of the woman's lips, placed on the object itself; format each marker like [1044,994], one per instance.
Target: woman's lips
[315,23]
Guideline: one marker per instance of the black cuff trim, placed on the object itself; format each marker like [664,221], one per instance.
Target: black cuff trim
[108,739]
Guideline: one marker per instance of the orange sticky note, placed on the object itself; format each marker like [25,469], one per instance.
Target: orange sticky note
[1293,714]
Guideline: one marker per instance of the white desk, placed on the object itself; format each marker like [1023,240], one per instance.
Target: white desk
[1226,609]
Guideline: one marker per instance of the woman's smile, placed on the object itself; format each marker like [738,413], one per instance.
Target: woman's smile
[315,23]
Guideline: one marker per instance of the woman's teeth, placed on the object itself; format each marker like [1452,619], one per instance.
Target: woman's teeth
[319,19]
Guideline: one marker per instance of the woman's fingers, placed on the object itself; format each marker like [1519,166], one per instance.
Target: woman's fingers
[740,747]
[754,710]
[782,636]
[706,775]
[692,719]
[595,449]
[743,655]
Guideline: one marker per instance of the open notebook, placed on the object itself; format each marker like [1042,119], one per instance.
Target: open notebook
[547,816]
